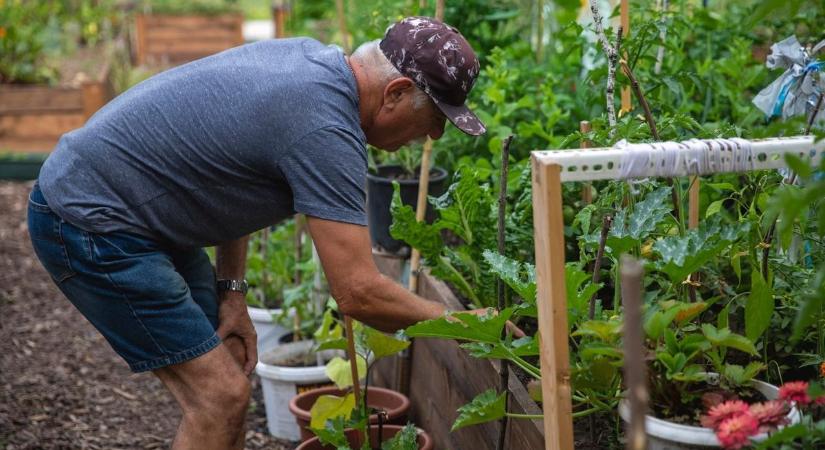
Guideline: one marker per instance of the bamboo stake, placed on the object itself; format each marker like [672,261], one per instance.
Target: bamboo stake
[500,288]
[299,231]
[552,306]
[342,25]
[625,24]
[693,223]
[634,361]
[587,190]
[279,15]
[439,10]
[353,361]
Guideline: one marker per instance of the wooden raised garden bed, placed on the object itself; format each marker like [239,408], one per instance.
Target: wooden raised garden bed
[176,39]
[445,377]
[33,117]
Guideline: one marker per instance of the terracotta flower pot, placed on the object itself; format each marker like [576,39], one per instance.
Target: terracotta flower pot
[355,439]
[394,403]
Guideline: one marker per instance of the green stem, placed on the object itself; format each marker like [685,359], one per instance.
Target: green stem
[529,368]
[586,412]
[524,416]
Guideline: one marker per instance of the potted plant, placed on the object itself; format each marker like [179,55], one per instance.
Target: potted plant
[394,437]
[401,167]
[313,408]
[280,272]
[170,32]
[291,368]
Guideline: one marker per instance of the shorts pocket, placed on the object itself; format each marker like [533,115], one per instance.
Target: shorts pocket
[119,245]
[44,230]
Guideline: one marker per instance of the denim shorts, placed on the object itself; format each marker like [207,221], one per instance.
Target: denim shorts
[156,305]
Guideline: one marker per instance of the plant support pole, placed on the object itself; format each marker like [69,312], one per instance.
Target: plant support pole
[624,25]
[612,54]
[587,190]
[353,361]
[502,301]
[342,25]
[634,351]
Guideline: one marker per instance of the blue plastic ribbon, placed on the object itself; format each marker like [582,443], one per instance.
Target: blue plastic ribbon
[814,66]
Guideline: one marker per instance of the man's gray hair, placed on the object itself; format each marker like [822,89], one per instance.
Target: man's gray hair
[372,59]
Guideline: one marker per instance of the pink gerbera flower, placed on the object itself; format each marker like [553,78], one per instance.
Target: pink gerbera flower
[734,433]
[795,391]
[770,415]
[722,412]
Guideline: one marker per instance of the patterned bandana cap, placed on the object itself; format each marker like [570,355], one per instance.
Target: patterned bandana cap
[440,62]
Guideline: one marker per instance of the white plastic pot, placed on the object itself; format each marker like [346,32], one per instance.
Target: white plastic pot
[664,435]
[268,330]
[281,383]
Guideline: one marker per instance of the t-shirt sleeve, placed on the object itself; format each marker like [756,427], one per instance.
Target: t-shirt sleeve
[326,170]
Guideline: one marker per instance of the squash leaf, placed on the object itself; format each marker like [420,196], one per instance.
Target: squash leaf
[485,407]
[330,406]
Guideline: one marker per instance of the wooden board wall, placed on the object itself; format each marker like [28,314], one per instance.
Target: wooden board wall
[32,118]
[445,377]
[170,40]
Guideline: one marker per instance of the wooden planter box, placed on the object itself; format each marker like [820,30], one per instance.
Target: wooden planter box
[445,377]
[172,39]
[33,117]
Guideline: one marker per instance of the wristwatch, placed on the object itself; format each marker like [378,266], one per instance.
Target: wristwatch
[233,285]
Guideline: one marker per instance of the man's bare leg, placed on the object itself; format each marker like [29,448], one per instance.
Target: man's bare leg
[213,394]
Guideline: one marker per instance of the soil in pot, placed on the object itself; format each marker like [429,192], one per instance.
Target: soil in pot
[394,403]
[295,354]
[355,439]
[379,197]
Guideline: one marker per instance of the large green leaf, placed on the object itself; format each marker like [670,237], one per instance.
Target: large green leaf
[485,407]
[682,255]
[464,326]
[338,370]
[465,208]
[421,235]
[759,308]
[723,337]
[330,406]
[406,439]
[381,344]
[629,230]
[521,277]
[526,346]
[579,291]
[332,433]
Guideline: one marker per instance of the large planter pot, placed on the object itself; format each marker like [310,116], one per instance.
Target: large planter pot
[355,439]
[443,377]
[269,331]
[664,435]
[379,197]
[394,403]
[281,382]
[166,39]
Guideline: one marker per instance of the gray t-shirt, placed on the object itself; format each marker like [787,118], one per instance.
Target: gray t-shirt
[220,147]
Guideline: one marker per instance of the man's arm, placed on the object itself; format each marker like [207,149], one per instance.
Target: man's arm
[233,319]
[360,290]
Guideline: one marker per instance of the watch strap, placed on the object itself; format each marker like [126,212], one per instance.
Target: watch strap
[233,285]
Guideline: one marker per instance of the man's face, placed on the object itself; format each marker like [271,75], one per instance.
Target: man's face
[398,123]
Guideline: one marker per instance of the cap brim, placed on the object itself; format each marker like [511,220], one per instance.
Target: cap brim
[464,119]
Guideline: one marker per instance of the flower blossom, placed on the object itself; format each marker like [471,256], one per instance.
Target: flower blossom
[722,412]
[770,415]
[795,391]
[735,432]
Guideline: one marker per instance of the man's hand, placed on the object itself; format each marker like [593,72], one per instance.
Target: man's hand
[233,324]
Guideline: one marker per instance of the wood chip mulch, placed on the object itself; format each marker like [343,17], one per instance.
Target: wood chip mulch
[61,385]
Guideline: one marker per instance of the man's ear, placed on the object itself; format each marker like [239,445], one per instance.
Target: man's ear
[395,91]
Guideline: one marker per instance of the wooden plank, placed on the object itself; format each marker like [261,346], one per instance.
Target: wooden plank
[27,99]
[36,126]
[194,47]
[179,34]
[445,377]
[552,305]
[192,21]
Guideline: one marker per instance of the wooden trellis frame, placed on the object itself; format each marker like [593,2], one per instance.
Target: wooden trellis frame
[550,170]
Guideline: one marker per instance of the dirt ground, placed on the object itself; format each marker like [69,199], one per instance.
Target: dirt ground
[61,386]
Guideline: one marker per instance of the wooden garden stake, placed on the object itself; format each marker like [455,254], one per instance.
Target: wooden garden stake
[634,361]
[439,10]
[299,252]
[502,301]
[280,10]
[353,360]
[342,25]
[624,12]
[552,306]
[693,223]
[587,190]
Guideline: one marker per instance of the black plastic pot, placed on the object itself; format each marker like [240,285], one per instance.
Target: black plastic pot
[21,166]
[379,197]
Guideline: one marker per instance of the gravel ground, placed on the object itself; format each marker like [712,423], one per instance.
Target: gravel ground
[61,386]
